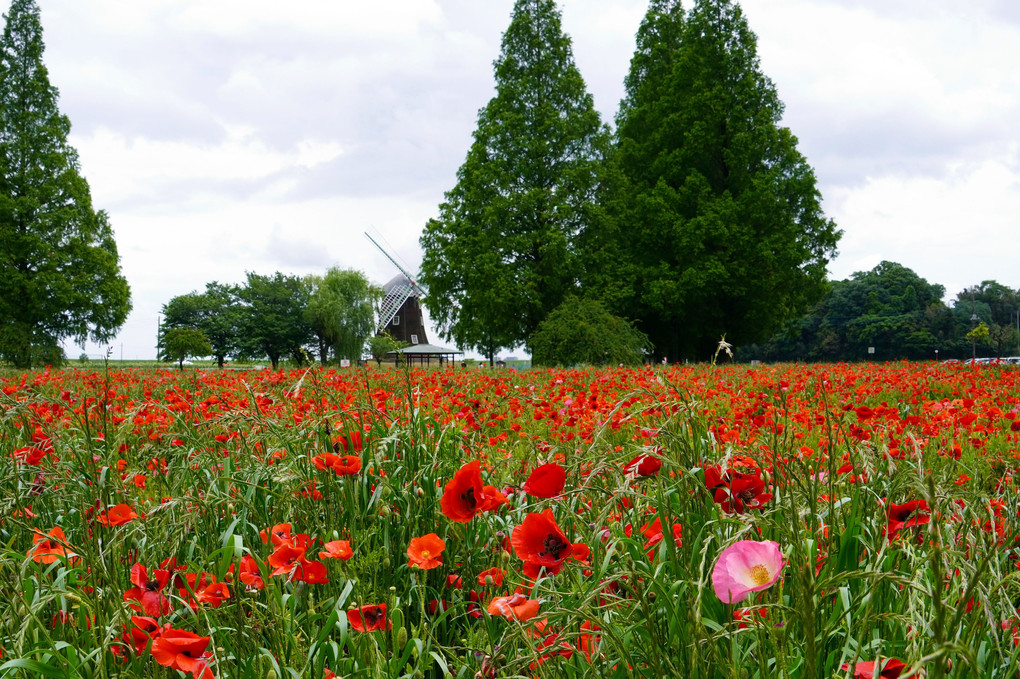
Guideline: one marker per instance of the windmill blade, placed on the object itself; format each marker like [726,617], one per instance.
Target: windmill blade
[407,275]
[392,302]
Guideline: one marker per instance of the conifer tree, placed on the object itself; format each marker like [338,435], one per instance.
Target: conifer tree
[501,254]
[717,223]
[59,268]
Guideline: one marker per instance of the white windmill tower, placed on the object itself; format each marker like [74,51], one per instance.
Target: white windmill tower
[400,312]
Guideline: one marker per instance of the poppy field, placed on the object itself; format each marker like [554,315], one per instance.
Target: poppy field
[698,521]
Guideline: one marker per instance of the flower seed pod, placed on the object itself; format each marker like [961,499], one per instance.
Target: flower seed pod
[400,640]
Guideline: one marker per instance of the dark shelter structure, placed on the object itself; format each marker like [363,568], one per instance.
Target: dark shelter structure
[425,354]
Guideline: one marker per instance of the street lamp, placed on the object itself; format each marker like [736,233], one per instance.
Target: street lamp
[973,342]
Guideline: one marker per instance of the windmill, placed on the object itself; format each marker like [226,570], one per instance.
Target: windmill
[400,312]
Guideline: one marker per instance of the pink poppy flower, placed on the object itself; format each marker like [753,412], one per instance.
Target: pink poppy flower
[744,567]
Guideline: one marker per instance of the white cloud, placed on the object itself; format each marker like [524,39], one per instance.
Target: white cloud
[219,132]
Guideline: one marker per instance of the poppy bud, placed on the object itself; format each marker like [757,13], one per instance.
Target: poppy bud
[488,581]
[384,511]
[386,563]
[401,640]
[419,491]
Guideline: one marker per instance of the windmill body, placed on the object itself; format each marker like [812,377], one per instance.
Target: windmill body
[400,313]
[400,316]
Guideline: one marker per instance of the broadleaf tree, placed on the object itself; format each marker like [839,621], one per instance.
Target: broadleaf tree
[217,312]
[501,254]
[273,323]
[60,273]
[717,224]
[179,344]
[341,312]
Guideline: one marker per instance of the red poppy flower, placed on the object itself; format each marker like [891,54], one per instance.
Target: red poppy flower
[341,442]
[890,669]
[492,499]
[492,577]
[337,549]
[546,481]
[213,594]
[513,607]
[588,642]
[347,465]
[249,573]
[183,650]
[906,515]
[745,491]
[117,515]
[369,618]
[287,553]
[148,591]
[653,534]
[50,547]
[277,534]
[342,465]
[138,637]
[642,465]
[539,542]
[463,494]
[426,552]
[312,572]
[29,455]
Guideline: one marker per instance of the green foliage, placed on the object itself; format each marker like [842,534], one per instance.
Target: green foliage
[583,332]
[898,313]
[341,312]
[381,345]
[979,334]
[717,224]
[216,312]
[854,589]
[183,343]
[501,254]
[999,307]
[273,323]
[59,268]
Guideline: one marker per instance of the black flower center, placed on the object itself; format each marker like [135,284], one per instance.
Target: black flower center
[554,546]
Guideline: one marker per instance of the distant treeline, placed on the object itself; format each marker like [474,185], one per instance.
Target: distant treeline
[273,317]
[892,313]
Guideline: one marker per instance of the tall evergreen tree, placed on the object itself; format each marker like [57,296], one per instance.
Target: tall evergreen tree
[501,254]
[59,268]
[717,224]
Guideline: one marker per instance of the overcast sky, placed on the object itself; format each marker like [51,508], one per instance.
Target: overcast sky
[225,136]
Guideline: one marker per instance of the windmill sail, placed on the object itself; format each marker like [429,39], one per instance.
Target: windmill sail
[392,301]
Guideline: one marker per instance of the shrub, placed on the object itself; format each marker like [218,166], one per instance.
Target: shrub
[582,331]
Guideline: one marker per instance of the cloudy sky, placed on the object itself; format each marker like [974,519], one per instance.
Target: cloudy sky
[225,136]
